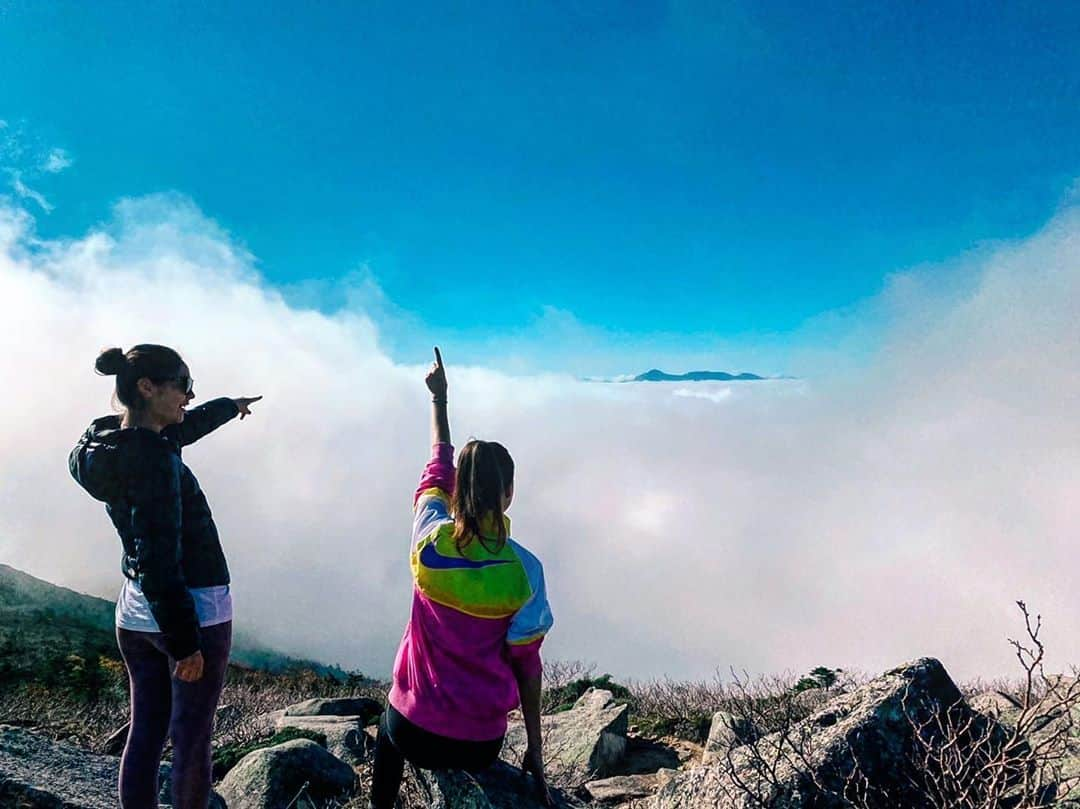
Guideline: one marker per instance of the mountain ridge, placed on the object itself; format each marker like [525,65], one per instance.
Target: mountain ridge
[656,375]
[39,619]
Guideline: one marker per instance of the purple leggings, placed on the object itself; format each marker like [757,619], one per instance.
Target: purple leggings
[161,707]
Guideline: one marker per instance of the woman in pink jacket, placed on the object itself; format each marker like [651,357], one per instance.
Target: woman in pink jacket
[471,649]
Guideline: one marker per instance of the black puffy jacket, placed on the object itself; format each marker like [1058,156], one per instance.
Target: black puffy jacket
[169,537]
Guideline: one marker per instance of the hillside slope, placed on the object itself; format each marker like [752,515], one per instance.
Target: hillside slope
[42,624]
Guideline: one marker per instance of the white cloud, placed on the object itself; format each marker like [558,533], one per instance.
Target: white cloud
[894,512]
[25,192]
[56,161]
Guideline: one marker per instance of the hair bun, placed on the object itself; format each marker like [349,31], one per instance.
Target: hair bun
[110,362]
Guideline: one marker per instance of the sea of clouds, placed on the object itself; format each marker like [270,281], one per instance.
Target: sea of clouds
[893,510]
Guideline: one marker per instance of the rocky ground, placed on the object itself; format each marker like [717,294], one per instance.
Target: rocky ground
[905,739]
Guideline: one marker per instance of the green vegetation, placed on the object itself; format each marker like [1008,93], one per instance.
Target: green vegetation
[563,697]
[693,726]
[227,756]
[821,677]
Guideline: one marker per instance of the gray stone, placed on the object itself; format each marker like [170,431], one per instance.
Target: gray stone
[727,732]
[272,777]
[586,742]
[498,787]
[38,773]
[264,724]
[363,707]
[809,700]
[622,788]
[345,736]
[996,704]
[871,725]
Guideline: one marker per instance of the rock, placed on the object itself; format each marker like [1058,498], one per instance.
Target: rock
[363,707]
[726,732]
[811,699]
[583,743]
[993,703]
[649,755]
[345,736]
[665,774]
[871,725]
[498,787]
[1050,727]
[272,777]
[264,724]
[622,788]
[38,773]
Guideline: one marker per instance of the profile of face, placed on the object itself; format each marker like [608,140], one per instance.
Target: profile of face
[166,399]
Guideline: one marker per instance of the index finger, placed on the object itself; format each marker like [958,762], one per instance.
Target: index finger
[438,357]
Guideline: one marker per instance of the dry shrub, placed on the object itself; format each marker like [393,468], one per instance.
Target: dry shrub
[1021,760]
[960,759]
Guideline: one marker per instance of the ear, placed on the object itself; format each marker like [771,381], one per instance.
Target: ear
[145,388]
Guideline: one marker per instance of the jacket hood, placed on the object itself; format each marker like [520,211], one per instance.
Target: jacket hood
[98,459]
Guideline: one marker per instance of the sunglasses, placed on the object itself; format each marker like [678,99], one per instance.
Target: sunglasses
[184,384]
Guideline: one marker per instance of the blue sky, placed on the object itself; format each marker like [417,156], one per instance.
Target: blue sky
[674,175]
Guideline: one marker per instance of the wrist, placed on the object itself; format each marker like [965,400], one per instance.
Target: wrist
[437,399]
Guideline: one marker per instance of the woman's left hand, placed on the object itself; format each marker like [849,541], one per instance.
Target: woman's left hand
[244,405]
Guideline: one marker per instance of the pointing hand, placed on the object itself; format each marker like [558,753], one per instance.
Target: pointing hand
[244,405]
[436,377]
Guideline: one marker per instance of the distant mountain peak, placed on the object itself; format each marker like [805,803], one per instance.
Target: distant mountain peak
[656,375]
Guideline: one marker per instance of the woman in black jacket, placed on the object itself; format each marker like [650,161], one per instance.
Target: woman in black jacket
[174,613]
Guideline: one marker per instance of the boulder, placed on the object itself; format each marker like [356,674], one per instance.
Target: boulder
[345,736]
[264,724]
[38,773]
[997,704]
[272,777]
[586,742]
[362,707]
[622,788]
[869,727]
[498,787]
[727,732]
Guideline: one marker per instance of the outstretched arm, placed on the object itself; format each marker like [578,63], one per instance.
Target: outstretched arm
[436,382]
[207,417]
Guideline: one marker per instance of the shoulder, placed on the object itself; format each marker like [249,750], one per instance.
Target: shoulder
[533,566]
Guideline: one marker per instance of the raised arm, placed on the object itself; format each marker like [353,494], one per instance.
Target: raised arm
[436,382]
[431,502]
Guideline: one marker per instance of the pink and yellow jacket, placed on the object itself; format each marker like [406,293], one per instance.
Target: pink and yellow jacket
[477,618]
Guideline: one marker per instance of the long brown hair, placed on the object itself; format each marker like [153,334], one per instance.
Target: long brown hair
[485,473]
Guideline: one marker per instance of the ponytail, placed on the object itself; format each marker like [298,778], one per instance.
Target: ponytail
[485,474]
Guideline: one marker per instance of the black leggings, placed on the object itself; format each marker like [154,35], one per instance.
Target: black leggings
[400,740]
[162,706]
